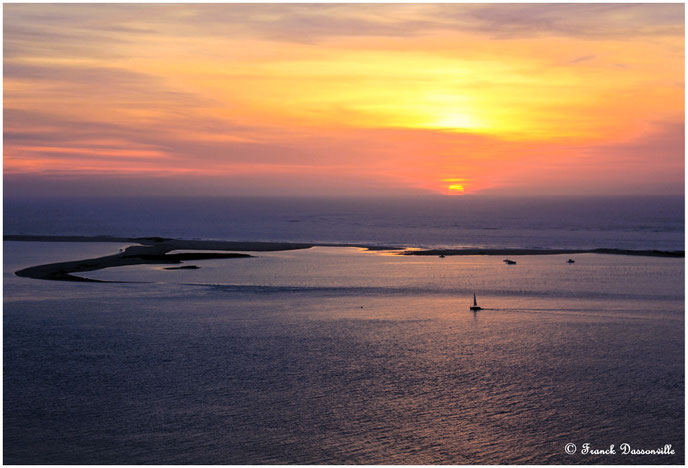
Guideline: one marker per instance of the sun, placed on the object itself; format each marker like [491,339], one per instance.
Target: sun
[455,187]
[455,121]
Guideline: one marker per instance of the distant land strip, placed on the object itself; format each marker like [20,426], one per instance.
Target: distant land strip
[155,250]
[179,244]
[63,271]
[515,252]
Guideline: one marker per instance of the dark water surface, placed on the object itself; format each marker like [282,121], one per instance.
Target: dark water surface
[559,222]
[342,356]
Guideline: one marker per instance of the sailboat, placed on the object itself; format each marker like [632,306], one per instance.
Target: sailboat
[475,305]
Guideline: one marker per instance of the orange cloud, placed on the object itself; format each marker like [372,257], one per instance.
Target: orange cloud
[438,98]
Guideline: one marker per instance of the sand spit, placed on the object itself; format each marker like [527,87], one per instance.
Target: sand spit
[63,271]
[152,250]
[514,252]
[156,250]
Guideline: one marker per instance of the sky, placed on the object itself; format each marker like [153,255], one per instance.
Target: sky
[343,99]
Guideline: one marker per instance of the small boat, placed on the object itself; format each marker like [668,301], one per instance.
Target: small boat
[475,305]
[509,262]
[570,260]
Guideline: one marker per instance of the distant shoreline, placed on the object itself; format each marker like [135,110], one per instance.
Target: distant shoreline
[156,250]
[515,252]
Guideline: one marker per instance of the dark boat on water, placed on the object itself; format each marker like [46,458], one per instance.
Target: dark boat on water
[475,305]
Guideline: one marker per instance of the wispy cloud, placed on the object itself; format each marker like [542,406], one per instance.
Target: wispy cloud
[285,95]
[585,21]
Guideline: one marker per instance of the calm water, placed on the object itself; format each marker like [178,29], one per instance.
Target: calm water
[585,223]
[336,355]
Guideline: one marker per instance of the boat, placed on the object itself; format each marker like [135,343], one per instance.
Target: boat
[475,305]
[509,262]
[570,260]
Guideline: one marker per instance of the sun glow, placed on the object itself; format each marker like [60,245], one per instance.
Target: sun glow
[456,189]
[400,102]
[454,120]
[456,186]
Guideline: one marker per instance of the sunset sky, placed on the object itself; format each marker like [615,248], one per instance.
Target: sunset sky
[330,99]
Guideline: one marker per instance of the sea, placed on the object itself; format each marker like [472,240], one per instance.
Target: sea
[561,222]
[342,355]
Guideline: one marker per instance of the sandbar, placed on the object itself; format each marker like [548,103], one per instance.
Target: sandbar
[515,252]
[156,250]
[152,250]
